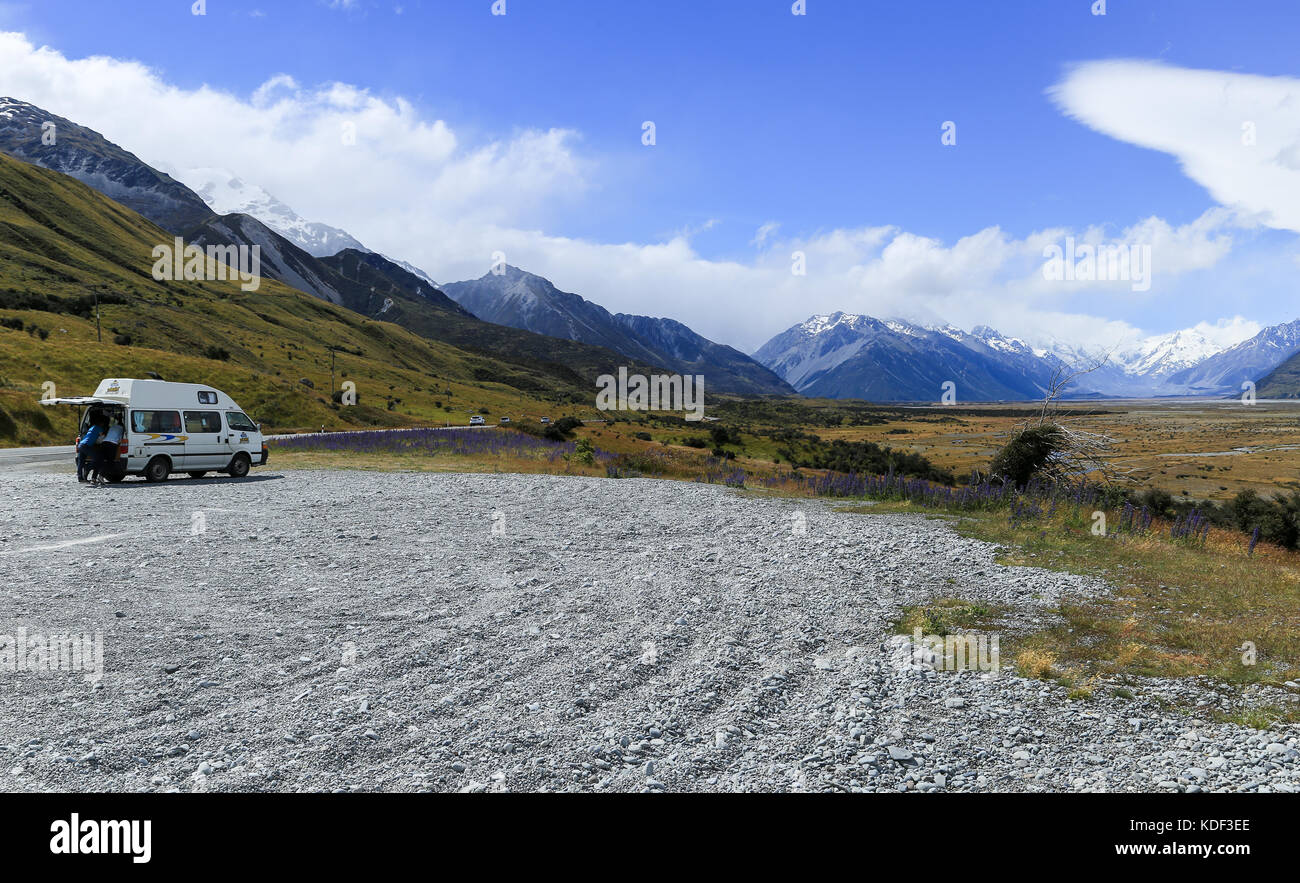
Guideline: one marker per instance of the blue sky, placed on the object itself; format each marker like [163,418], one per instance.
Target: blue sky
[813,124]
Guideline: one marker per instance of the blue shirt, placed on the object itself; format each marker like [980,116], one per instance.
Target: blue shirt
[92,435]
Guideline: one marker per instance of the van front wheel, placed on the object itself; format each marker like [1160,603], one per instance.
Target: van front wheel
[158,469]
[239,466]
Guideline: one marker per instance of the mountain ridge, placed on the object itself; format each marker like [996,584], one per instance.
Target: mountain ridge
[524,300]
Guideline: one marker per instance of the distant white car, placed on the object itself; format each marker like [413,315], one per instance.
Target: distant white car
[505,420]
[476,420]
[546,419]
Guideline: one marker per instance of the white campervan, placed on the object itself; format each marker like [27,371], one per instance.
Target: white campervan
[172,427]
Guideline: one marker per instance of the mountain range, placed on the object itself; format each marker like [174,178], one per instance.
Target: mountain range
[330,264]
[843,355]
[523,300]
[522,319]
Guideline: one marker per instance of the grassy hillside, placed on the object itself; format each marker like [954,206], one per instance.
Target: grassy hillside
[1283,382]
[61,243]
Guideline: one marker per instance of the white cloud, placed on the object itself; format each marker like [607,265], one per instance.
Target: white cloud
[294,141]
[1229,332]
[414,188]
[1238,135]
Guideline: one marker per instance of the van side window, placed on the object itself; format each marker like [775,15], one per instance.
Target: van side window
[202,421]
[239,422]
[155,421]
[207,398]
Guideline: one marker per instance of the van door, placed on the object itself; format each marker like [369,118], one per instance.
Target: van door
[206,444]
[244,436]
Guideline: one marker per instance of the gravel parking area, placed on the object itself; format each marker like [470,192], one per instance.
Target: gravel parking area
[305,631]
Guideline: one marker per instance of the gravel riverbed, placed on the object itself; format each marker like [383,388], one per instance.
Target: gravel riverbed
[343,630]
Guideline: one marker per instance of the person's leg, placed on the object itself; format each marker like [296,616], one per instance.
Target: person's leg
[81,464]
[107,457]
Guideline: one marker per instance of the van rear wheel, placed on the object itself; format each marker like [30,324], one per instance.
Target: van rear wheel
[239,466]
[158,469]
[198,474]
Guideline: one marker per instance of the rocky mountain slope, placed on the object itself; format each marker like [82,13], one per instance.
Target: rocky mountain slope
[527,301]
[90,158]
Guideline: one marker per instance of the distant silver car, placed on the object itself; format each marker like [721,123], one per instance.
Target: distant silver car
[476,420]
[505,420]
[546,419]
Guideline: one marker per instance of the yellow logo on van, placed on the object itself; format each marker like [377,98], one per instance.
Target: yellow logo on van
[113,387]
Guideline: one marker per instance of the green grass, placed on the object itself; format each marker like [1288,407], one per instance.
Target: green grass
[946,616]
[62,239]
[1261,718]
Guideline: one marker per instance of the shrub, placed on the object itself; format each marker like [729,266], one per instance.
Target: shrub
[1027,453]
[122,339]
[721,435]
[584,452]
[562,429]
[220,354]
[868,458]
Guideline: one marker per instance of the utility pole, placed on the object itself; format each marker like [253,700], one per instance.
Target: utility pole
[99,338]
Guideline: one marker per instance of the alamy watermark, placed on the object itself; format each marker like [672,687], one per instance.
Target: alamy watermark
[657,392]
[48,654]
[191,263]
[1099,263]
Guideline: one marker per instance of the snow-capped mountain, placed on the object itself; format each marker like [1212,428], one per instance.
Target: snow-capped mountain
[1251,360]
[1167,354]
[844,355]
[228,194]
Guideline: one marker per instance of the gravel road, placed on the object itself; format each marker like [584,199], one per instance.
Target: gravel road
[302,631]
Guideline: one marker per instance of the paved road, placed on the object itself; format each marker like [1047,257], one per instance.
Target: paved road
[10,457]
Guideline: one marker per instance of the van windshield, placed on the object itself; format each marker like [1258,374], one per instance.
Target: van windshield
[239,422]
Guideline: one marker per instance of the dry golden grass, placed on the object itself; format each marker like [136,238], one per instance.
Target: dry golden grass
[1178,609]
[1202,450]
[1035,663]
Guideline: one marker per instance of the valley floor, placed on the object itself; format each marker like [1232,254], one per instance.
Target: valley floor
[343,630]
